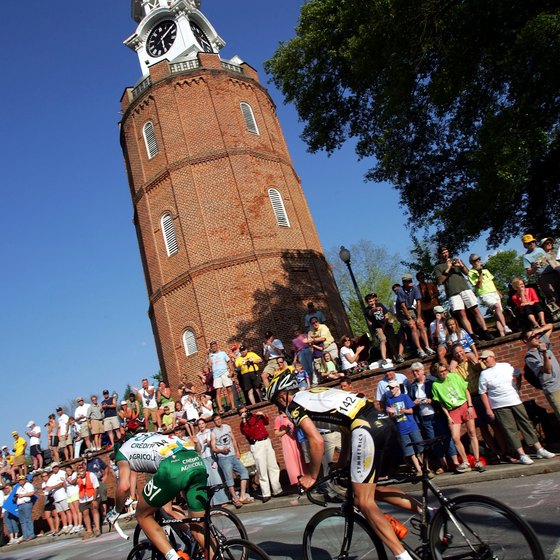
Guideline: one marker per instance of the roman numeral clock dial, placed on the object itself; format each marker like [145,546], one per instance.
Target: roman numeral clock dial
[161,38]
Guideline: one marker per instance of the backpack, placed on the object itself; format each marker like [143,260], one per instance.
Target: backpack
[531,377]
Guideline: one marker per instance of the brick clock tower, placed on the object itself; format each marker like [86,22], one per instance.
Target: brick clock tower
[228,244]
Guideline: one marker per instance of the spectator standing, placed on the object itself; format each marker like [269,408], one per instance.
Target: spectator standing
[378,317]
[56,484]
[164,400]
[285,430]
[302,351]
[439,333]
[502,400]
[485,289]
[204,437]
[272,350]
[401,410]
[147,394]
[81,416]
[537,265]
[72,492]
[247,364]
[224,446]
[52,435]
[100,469]
[383,386]
[49,511]
[312,311]
[430,297]
[25,492]
[96,423]
[111,423]
[321,334]
[450,272]
[543,363]
[89,506]
[34,434]
[254,428]
[222,373]
[10,520]
[409,315]
[19,465]
[451,391]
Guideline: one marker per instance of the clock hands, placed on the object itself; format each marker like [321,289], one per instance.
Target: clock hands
[165,34]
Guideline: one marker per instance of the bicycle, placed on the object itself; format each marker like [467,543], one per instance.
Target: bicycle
[466,527]
[216,532]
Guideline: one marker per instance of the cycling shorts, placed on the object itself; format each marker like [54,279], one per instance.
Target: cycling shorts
[375,446]
[182,472]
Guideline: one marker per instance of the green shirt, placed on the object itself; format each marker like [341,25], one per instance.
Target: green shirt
[455,282]
[452,392]
[487,286]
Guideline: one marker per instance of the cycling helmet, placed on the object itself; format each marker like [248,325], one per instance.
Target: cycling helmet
[283,382]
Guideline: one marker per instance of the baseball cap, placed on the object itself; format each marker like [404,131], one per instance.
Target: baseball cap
[14,433]
[487,354]
[78,399]
[393,383]
[544,240]
[473,258]
[55,464]
[30,423]
[439,309]
[4,447]
[106,391]
[21,477]
[241,348]
[528,238]
[124,402]
[407,276]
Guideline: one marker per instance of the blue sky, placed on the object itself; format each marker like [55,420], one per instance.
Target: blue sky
[74,318]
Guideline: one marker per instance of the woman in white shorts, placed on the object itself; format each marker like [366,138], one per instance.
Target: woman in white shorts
[73,492]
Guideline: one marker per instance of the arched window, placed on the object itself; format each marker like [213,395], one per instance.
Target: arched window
[169,235]
[189,342]
[150,139]
[250,122]
[278,208]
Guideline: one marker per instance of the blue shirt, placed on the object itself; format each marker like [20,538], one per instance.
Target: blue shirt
[219,363]
[405,422]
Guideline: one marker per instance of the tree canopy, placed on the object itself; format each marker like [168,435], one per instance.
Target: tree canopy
[457,102]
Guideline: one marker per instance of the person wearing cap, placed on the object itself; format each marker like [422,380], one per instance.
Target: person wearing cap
[379,317]
[485,289]
[438,333]
[96,423]
[450,273]
[20,466]
[34,434]
[409,314]
[502,401]
[312,311]
[81,416]
[247,363]
[537,264]
[24,500]
[543,363]
[222,374]
[56,486]
[382,391]
[111,423]
[272,349]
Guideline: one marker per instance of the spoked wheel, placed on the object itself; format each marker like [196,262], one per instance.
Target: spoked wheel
[481,528]
[227,524]
[145,551]
[328,536]
[240,549]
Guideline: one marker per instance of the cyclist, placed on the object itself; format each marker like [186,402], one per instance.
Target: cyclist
[177,467]
[374,448]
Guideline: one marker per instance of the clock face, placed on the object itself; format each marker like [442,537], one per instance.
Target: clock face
[201,38]
[161,38]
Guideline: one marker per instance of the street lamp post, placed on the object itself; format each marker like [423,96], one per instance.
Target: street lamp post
[345,257]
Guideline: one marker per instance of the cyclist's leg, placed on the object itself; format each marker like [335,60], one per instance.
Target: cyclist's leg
[196,497]
[151,528]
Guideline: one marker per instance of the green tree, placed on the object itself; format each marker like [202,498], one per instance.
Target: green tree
[504,265]
[457,104]
[375,269]
[422,256]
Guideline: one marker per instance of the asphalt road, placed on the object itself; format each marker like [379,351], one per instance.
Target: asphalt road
[279,530]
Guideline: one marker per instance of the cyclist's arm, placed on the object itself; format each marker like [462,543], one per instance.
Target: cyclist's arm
[316,447]
[123,487]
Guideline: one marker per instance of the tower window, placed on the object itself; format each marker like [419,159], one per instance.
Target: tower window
[169,235]
[250,122]
[150,139]
[278,208]
[189,342]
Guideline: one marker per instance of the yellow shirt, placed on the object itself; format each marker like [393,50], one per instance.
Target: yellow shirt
[19,446]
[241,362]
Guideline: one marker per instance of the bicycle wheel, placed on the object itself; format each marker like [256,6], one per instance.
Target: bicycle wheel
[145,551]
[227,523]
[240,549]
[140,537]
[328,536]
[484,529]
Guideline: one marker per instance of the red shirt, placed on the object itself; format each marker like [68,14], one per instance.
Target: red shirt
[530,296]
[254,427]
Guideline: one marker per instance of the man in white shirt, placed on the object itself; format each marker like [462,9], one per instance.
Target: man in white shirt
[34,434]
[64,439]
[57,485]
[81,415]
[502,402]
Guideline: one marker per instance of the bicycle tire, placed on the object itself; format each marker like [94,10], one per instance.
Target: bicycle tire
[227,523]
[323,538]
[140,537]
[493,530]
[145,551]
[240,549]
